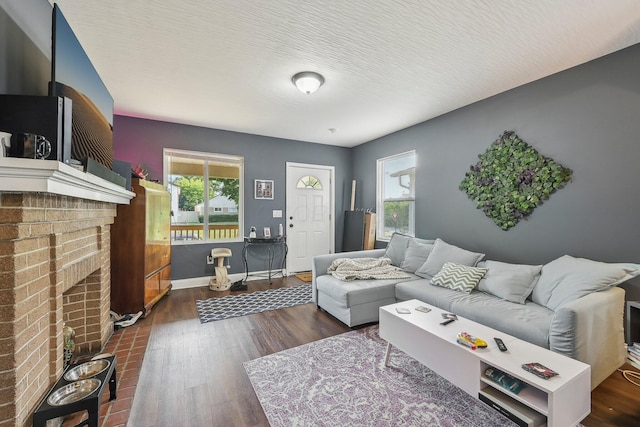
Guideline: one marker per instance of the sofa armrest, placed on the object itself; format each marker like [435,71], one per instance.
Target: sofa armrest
[320,264]
[590,329]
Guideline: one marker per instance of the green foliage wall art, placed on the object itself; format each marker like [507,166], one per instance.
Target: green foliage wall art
[511,179]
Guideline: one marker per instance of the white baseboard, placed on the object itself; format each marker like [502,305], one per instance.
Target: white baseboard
[196,282]
[192,282]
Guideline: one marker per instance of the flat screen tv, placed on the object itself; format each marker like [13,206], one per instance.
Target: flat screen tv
[74,76]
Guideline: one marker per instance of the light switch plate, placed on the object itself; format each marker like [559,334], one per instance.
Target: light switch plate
[277,213]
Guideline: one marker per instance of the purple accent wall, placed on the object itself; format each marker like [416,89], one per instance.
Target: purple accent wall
[142,141]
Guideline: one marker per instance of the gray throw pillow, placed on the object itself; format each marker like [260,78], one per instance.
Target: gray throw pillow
[511,282]
[416,255]
[443,252]
[567,278]
[423,241]
[396,248]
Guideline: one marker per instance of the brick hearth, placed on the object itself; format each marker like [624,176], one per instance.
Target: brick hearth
[54,269]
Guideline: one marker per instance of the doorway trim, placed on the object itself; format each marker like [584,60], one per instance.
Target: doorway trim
[332,200]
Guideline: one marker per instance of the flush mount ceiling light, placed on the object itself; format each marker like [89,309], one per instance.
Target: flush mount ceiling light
[307,81]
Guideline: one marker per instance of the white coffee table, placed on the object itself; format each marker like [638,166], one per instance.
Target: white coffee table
[564,399]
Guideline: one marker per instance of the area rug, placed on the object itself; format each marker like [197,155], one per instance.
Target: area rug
[213,309]
[305,277]
[342,381]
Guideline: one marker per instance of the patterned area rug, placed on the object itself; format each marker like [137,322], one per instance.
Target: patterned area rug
[342,381]
[254,302]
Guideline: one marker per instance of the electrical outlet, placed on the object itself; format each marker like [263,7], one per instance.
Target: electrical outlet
[209,259]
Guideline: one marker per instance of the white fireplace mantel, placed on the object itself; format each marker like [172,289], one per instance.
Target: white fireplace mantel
[50,176]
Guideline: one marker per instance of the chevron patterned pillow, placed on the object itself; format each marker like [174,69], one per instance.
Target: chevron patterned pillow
[458,277]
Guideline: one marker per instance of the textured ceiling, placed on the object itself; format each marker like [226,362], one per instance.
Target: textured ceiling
[227,64]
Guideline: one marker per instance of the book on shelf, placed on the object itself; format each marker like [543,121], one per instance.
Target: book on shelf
[635,350]
[634,357]
[517,412]
[634,363]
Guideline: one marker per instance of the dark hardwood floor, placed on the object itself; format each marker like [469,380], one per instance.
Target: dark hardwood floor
[192,374]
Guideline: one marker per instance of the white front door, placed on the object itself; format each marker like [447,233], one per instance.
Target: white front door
[309,221]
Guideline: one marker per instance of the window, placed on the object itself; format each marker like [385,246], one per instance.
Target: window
[395,201]
[309,182]
[206,195]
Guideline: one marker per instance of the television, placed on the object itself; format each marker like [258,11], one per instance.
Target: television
[73,76]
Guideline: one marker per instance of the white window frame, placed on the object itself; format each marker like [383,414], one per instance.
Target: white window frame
[239,160]
[380,196]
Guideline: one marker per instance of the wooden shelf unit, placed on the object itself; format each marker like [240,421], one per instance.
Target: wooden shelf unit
[141,250]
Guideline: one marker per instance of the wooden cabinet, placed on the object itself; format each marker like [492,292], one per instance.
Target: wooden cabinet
[141,250]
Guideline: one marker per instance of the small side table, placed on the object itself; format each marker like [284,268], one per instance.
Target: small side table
[91,403]
[632,328]
[271,243]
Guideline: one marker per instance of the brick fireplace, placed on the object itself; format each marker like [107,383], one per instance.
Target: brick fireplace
[54,270]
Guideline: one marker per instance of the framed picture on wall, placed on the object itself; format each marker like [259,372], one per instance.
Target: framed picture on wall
[263,188]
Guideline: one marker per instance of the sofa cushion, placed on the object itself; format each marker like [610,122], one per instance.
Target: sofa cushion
[397,248]
[417,253]
[358,291]
[399,244]
[458,277]
[511,282]
[530,322]
[424,291]
[443,252]
[424,241]
[567,278]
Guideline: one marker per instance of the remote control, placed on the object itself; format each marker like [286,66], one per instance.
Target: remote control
[500,343]
[446,322]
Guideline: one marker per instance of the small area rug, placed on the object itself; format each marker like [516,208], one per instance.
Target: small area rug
[342,381]
[305,277]
[254,302]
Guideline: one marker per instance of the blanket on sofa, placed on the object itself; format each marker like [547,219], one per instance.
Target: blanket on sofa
[347,269]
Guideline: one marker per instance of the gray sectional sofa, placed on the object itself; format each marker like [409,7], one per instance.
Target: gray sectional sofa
[571,305]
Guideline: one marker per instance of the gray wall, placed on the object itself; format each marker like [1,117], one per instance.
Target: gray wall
[25,47]
[587,118]
[140,140]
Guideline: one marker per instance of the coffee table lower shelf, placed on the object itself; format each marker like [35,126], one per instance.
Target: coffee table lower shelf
[561,401]
[516,411]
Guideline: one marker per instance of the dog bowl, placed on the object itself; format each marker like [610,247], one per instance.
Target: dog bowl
[86,370]
[73,392]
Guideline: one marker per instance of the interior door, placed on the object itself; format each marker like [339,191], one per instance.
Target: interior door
[310,222]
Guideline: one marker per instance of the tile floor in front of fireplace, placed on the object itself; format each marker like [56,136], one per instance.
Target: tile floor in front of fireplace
[129,345]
